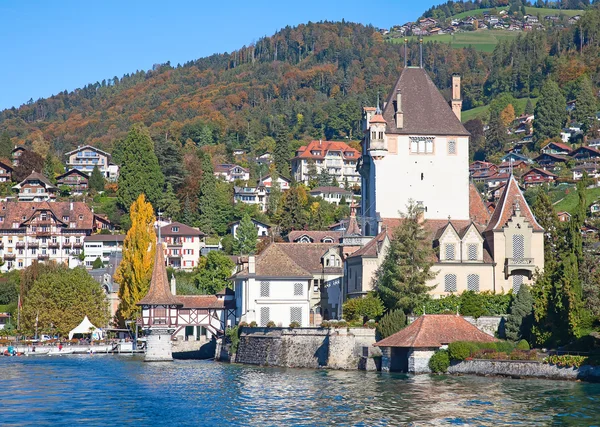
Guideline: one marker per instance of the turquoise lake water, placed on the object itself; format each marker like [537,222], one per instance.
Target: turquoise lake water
[105,390]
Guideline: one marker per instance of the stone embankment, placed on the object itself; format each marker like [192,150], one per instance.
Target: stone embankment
[342,348]
[524,369]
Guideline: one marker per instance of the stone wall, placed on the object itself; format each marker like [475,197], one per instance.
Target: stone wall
[308,348]
[159,346]
[524,369]
[418,360]
[201,349]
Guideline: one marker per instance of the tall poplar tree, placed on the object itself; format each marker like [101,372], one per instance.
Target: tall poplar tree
[135,271]
[139,172]
[401,278]
[246,237]
[550,113]
[293,215]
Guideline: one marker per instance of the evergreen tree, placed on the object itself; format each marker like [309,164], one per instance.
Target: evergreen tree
[586,105]
[324,179]
[496,135]
[6,146]
[546,217]
[529,107]
[275,192]
[550,113]
[139,172]
[392,322]
[169,204]
[135,270]
[96,181]
[207,196]
[293,215]
[519,323]
[401,278]
[171,162]
[49,168]
[97,264]
[246,237]
[312,174]
[281,155]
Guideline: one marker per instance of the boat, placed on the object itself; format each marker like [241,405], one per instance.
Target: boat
[57,352]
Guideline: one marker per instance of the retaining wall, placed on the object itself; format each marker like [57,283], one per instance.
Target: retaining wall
[524,369]
[308,348]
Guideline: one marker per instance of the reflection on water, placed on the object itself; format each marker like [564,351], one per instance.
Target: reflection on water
[111,390]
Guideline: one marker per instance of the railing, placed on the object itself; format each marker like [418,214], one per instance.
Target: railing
[175,243]
[53,244]
[43,256]
[519,261]
[34,244]
[43,233]
[20,245]
[78,245]
[9,256]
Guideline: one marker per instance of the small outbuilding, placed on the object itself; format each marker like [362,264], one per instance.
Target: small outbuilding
[410,349]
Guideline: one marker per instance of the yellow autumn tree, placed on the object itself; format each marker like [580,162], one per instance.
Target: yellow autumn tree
[507,116]
[135,271]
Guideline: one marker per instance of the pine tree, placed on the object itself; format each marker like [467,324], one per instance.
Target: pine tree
[586,105]
[49,168]
[275,192]
[135,270]
[171,162]
[401,278]
[169,204]
[246,237]
[550,113]
[96,181]
[97,264]
[496,136]
[546,217]
[281,155]
[207,195]
[392,322]
[5,146]
[520,320]
[324,179]
[140,172]
[293,215]
[529,107]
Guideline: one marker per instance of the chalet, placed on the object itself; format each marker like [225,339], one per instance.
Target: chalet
[16,153]
[481,171]
[564,216]
[585,153]
[497,179]
[75,179]
[331,194]
[508,167]
[35,188]
[231,173]
[591,169]
[427,22]
[516,157]
[547,160]
[537,176]
[556,148]
[6,171]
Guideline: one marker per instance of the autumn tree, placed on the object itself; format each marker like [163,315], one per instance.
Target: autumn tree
[139,172]
[507,116]
[135,270]
[246,237]
[96,181]
[550,113]
[29,161]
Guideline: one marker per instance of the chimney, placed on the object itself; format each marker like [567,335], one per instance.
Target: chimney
[251,264]
[456,99]
[399,113]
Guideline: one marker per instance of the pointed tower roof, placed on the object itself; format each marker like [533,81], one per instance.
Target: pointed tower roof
[353,228]
[426,112]
[159,292]
[512,199]
[477,210]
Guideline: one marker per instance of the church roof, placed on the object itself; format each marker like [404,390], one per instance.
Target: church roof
[159,292]
[435,330]
[425,111]
[507,204]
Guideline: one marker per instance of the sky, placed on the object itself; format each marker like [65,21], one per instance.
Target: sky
[51,46]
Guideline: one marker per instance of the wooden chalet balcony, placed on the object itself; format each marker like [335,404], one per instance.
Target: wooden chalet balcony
[520,266]
[9,256]
[43,233]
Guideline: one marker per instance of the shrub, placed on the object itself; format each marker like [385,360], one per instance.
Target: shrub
[520,320]
[566,361]
[471,304]
[243,324]
[325,324]
[439,362]
[391,323]
[460,350]
[340,324]
[234,336]
[271,324]
[523,345]
[295,325]
[356,309]
[253,324]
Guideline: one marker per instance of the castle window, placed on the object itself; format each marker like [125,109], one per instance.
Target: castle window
[380,135]
[296,314]
[264,316]
[449,252]
[264,289]
[518,241]
[517,282]
[450,283]
[298,289]
[451,147]
[421,145]
[472,252]
[373,135]
[473,282]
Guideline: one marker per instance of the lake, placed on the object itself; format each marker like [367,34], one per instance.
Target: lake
[105,390]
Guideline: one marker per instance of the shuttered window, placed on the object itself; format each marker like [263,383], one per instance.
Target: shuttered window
[472,252]
[298,289]
[296,314]
[265,314]
[450,283]
[450,251]
[473,282]
[265,289]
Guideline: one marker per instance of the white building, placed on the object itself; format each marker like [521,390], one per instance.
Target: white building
[261,227]
[86,157]
[252,196]
[183,245]
[267,182]
[332,194]
[101,246]
[338,158]
[231,173]
[35,188]
[417,149]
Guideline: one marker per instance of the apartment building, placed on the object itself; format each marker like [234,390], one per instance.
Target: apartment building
[338,158]
[101,246]
[182,245]
[86,157]
[231,173]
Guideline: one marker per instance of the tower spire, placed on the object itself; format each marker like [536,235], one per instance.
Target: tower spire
[378,109]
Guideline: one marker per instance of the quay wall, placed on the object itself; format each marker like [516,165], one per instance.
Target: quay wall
[314,348]
[524,369]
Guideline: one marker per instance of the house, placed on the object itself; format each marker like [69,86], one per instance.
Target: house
[84,158]
[584,153]
[16,153]
[337,158]
[101,246]
[106,277]
[531,19]
[330,194]
[252,196]
[516,157]
[264,159]
[536,176]
[76,180]
[410,349]
[547,160]
[595,208]
[563,216]
[42,231]
[6,171]
[231,173]
[261,227]
[267,182]
[510,167]
[480,171]
[496,180]
[557,148]
[591,169]
[183,245]
[35,188]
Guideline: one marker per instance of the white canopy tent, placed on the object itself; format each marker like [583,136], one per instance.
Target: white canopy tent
[86,327]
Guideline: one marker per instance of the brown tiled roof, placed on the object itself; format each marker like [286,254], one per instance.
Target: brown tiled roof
[377,118]
[585,148]
[315,236]
[539,171]
[477,209]
[560,145]
[5,164]
[36,176]
[274,262]
[373,248]
[425,111]
[71,172]
[435,330]
[184,230]
[202,301]
[506,206]
[555,157]
[159,292]
[308,255]
[353,228]
[15,211]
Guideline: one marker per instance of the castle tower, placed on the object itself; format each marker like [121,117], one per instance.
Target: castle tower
[456,99]
[159,312]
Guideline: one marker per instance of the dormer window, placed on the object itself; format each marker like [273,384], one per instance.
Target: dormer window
[327,240]
[472,252]
[449,250]
[65,218]
[23,217]
[175,229]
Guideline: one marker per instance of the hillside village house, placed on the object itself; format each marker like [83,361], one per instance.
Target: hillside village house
[6,171]
[182,245]
[337,158]
[16,153]
[259,195]
[84,158]
[35,188]
[267,182]
[537,176]
[101,246]
[76,180]
[231,173]
[418,143]
[556,148]
[331,194]
[261,228]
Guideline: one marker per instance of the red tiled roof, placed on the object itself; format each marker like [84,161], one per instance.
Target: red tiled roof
[560,145]
[435,330]
[202,301]
[373,248]
[377,118]
[15,211]
[505,208]
[184,230]
[585,148]
[477,209]
[305,152]
[159,292]
[315,236]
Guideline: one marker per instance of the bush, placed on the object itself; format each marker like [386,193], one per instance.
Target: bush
[566,361]
[439,362]
[234,336]
[243,324]
[391,323]
[295,325]
[356,309]
[490,304]
[253,324]
[523,345]
[271,324]
[471,304]
[325,324]
[460,350]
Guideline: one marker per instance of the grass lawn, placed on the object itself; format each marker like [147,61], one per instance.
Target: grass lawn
[482,40]
[569,203]
[483,111]
[546,12]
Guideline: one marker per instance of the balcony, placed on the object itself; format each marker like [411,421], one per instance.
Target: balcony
[175,243]
[34,244]
[42,257]
[53,244]
[43,233]
[20,245]
[77,245]
[519,266]
[9,256]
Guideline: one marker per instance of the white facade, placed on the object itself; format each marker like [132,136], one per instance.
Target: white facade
[101,246]
[252,196]
[263,229]
[86,157]
[21,250]
[183,245]
[231,173]
[332,194]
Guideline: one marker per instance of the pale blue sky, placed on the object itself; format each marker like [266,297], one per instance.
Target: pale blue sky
[49,46]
